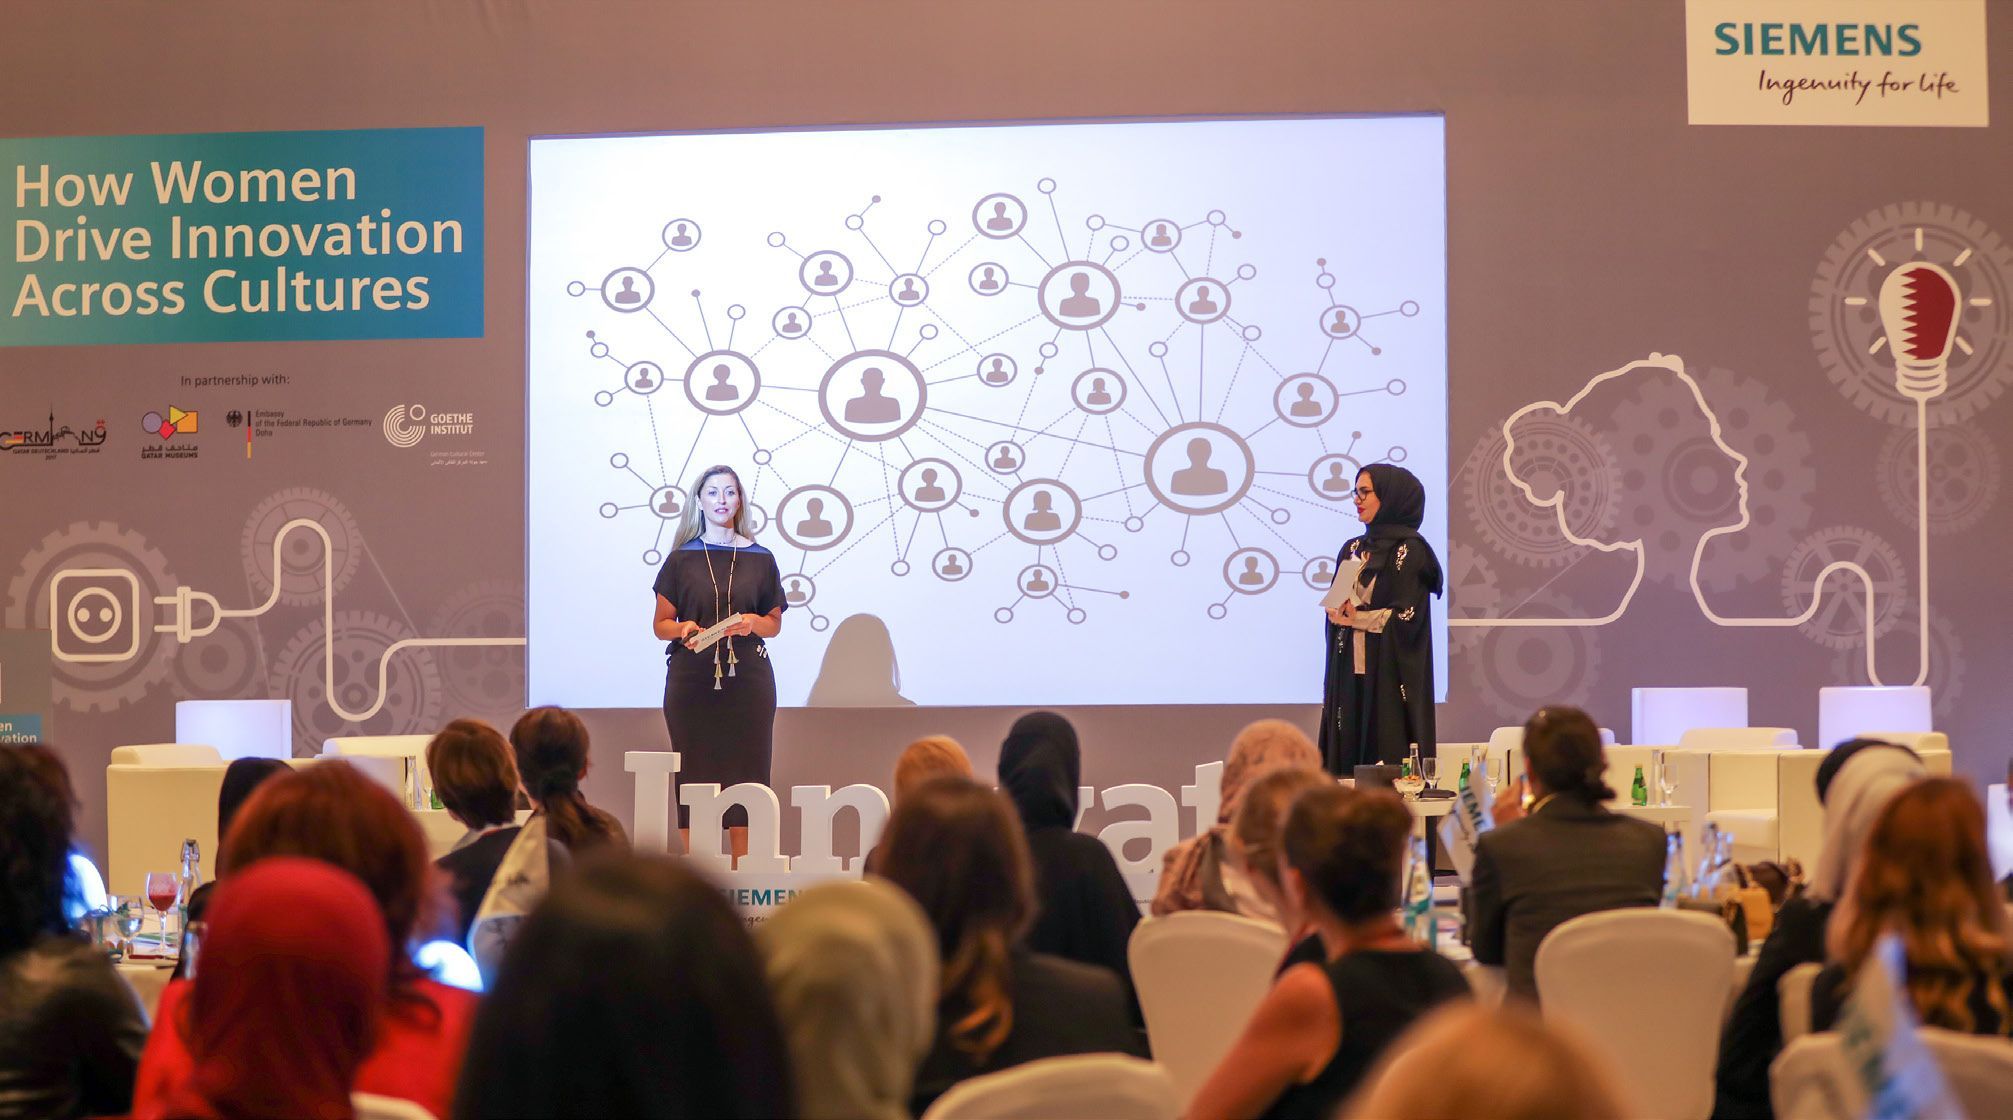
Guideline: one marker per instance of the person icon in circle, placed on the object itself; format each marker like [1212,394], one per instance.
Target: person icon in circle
[643,378]
[1043,518]
[682,240]
[908,294]
[1202,304]
[628,294]
[720,390]
[1335,483]
[1198,478]
[791,325]
[873,406]
[1341,325]
[667,502]
[988,281]
[929,491]
[999,220]
[1080,304]
[1004,460]
[1160,238]
[814,523]
[796,592]
[951,566]
[825,277]
[1098,395]
[998,375]
[1324,573]
[1037,582]
[1251,576]
[1306,405]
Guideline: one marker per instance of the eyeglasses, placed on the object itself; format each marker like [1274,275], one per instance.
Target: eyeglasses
[1365,492]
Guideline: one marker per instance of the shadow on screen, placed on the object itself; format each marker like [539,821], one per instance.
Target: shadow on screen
[860,670]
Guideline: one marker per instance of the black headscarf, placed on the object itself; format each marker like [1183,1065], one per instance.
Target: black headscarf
[1039,766]
[1835,761]
[1401,509]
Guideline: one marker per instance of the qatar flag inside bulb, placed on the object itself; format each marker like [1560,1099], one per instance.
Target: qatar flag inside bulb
[1918,309]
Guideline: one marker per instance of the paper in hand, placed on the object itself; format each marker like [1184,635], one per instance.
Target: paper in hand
[1343,590]
[705,638]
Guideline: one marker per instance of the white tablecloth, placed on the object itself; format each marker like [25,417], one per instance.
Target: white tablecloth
[148,980]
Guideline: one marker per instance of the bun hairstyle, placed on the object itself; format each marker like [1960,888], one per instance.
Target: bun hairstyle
[1562,746]
[551,748]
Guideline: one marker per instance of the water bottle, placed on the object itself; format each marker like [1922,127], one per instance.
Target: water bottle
[1708,865]
[1465,771]
[192,877]
[1674,868]
[1418,895]
[1639,790]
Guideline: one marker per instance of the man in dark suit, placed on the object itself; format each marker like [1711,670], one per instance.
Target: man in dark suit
[1564,857]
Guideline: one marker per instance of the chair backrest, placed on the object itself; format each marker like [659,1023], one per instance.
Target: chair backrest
[370,1106]
[1792,997]
[1978,1068]
[403,769]
[1738,738]
[167,754]
[1649,987]
[1200,975]
[1810,1080]
[1113,1086]
[378,746]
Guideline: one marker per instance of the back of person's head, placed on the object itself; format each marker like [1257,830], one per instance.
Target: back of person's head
[474,772]
[1926,875]
[1260,822]
[35,827]
[332,812]
[958,849]
[1562,750]
[633,990]
[853,968]
[1470,1062]
[287,1003]
[1346,847]
[551,748]
[932,756]
[1039,767]
[1267,744]
[1854,783]
[241,777]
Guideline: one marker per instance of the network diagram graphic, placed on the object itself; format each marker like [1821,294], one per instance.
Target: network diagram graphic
[1015,393]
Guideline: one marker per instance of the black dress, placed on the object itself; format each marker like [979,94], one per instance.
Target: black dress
[725,735]
[1379,992]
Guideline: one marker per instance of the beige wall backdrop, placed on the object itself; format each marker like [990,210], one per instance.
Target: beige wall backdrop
[1589,226]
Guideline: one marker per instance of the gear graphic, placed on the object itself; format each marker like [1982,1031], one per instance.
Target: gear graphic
[1554,452]
[1963,477]
[224,665]
[1678,484]
[1524,668]
[1840,621]
[1898,655]
[482,679]
[1845,323]
[413,687]
[301,555]
[95,686]
[1472,592]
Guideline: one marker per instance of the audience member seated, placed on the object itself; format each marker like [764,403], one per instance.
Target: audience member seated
[1564,857]
[1256,846]
[853,968]
[241,777]
[1322,1026]
[957,849]
[1198,873]
[1854,783]
[334,813]
[1084,907]
[70,1029]
[1925,876]
[288,998]
[1503,1063]
[551,748]
[476,780]
[932,756]
[633,990]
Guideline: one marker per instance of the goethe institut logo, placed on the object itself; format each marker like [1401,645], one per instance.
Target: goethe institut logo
[407,424]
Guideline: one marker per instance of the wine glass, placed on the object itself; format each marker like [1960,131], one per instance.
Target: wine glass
[1666,783]
[1494,767]
[1429,768]
[163,887]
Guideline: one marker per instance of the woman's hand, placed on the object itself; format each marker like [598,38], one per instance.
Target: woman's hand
[742,624]
[1344,614]
[685,632]
[1509,804]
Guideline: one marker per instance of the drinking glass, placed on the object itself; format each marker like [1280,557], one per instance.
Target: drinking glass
[1666,783]
[1495,774]
[163,887]
[1429,768]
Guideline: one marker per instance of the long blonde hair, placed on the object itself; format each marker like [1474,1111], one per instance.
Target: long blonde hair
[1925,875]
[692,522]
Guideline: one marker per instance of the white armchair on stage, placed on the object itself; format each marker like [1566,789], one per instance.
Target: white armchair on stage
[1648,987]
[398,762]
[156,796]
[1767,798]
[1200,975]
[1111,1086]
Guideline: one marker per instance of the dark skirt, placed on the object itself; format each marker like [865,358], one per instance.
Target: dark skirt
[723,736]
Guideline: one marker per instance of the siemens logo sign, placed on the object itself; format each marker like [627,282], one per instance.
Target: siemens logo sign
[1832,40]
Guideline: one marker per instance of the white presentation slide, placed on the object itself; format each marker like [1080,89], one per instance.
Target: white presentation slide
[1042,414]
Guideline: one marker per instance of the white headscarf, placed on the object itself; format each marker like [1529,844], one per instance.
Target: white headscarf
[1862,788]
[853,967]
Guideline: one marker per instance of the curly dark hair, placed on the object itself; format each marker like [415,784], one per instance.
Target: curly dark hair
[35,830]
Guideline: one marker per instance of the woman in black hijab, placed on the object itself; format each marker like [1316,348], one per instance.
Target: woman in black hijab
[1377,698]
[1084,909]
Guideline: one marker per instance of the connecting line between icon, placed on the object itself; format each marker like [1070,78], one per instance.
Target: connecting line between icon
[1675,365]
[182,602]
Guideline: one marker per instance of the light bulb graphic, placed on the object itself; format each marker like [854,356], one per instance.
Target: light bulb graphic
[1918,309]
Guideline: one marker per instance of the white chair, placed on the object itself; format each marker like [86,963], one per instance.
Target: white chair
[1767,798]
[398,762]
[238,728]
[1810,1080]
[1109,1086]
[1845,712]
[1738,739]
[1999,829]
[156,796]
[1200,975]
[1648,987]
[1792,999]
[370,1106]
[1663,715]
[1978,1068]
